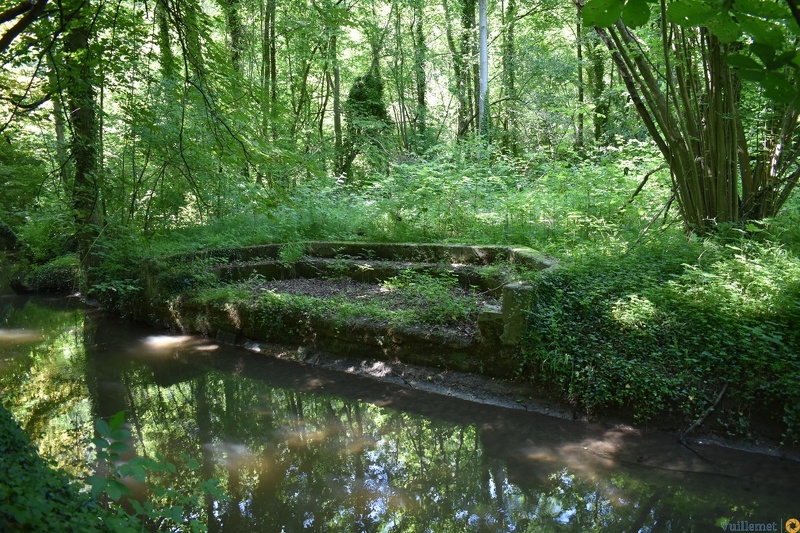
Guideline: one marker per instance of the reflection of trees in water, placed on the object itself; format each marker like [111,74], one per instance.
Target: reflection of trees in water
[302,461]
[42,379]
[298,461]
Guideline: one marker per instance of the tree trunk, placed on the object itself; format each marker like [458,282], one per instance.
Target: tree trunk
[483,91]
[597,88]
[420,57]
[80,91]
[233,21]
[337,102]
[691,110]
[460,74]
[471,74]
[581,96]
[509,115]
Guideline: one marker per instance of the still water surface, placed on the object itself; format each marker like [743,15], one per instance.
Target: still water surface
[297,448]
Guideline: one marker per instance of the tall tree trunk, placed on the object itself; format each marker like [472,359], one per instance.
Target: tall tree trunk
[336,88]
[273,67]
[483,91]
[420,58]
[597,88]
[80,91]
[509,58]
[233,22]
[581,96]
[471,74]
[399,67]
[460,74]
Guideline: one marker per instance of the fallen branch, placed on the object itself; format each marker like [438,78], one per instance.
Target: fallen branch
[646,177]
[699,421]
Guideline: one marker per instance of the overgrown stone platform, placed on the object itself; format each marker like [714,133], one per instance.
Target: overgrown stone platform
[492,270]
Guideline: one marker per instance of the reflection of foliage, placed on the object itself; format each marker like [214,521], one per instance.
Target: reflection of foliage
[43,383]
[34,497]
[168,508]
[302,461]
[298,460]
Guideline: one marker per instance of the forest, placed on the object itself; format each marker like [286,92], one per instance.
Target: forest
[651,147]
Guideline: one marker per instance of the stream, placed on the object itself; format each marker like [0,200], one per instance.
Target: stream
[296,447]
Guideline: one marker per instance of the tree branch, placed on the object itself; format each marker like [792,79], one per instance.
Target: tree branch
[32,11]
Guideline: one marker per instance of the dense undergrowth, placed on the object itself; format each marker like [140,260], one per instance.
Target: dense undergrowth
[641,316]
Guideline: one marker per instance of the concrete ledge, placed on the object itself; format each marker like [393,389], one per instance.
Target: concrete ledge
[501,328]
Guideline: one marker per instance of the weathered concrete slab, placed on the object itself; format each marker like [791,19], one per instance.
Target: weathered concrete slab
[500,328]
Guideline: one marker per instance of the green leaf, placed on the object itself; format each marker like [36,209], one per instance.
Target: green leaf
[760,8]
[764,52]
[119,447]
[765,32]
[757,75]
[98,485]
[115,489]
[743,61]
[636,13]
[689,13]
[724,27]
[778,88]
[120,434]
[117,420]
[601,13]
[102,428]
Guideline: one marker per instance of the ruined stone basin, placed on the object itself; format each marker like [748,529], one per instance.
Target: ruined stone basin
[492,269]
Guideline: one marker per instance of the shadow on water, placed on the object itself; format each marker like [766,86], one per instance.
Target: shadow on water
[297,447]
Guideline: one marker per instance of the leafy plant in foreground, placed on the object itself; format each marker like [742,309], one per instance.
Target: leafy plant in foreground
[172,507]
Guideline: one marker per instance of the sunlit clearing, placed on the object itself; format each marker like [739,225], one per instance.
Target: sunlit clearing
[9,336]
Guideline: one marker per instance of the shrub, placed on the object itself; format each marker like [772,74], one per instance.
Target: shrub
[662,328]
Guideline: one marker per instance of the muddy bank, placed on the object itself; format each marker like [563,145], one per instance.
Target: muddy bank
[522,397]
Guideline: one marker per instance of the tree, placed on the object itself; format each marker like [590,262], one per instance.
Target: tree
[366,116]
[698,108]
[80,91]
[25,13]
[483,91]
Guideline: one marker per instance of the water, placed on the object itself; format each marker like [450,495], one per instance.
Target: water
[298,448]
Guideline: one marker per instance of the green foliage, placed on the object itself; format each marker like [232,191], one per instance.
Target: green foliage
[662,328]
[766,29]
[46,234]
[436,299]
[290,253]
[59,275]
[21,173]
[33,497]
[170,508]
